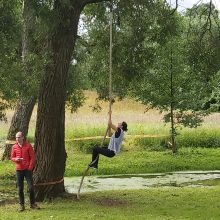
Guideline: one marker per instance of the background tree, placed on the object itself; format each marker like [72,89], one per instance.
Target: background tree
[172,88]
[180,80]
[26,102]
[9,54]
[204,48]
[32,59]
[138,28]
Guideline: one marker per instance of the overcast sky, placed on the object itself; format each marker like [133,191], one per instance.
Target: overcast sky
[183,4]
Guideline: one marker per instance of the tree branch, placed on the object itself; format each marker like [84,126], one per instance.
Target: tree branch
[85,43]
[208,25]
[173,11]
[85,2]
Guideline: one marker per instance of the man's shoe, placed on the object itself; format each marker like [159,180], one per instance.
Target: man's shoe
[21,208]
[34,206]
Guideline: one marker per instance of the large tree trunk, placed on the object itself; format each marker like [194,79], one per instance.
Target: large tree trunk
[21,118]
[49,135]
[20,122]
[50,128]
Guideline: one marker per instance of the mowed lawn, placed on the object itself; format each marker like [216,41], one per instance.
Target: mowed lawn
[153,204]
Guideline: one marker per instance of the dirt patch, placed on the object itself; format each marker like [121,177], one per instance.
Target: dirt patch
[4,202]
[110,202]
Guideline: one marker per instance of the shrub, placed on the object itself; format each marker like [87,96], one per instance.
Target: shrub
[152,143]
[87,145]
[199,138]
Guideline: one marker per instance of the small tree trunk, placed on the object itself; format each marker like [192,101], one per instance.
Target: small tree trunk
[24,108]
[20,122]
[173,131]
[173,141]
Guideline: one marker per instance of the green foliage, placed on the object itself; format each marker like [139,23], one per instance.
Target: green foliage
[138,158]
[191,138]
[176,85]
[84,130]
[134,160]
[203,10]
[86,146]
[204,49]
[75,87]
[39,21]
[10,43]
[171,87]
[7,170]
[152,143]
[161,49]
[202,138]
[10,39]
[213,102]
[19,78]
[191,119]
[138,26]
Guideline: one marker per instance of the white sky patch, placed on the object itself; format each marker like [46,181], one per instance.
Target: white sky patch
[184,4]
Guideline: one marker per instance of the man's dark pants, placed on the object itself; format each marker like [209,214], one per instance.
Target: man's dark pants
[20,183]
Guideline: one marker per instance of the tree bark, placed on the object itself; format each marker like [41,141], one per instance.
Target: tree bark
[20,122]
[50,127]
[173,132]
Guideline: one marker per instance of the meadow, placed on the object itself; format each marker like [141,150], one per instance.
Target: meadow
[144,151]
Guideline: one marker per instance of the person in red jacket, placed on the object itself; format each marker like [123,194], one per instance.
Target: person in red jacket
[22,154]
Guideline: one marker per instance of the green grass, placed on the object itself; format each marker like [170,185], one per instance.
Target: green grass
[200,137]
[198,150]
[133,160]
[146,161]
[157,203]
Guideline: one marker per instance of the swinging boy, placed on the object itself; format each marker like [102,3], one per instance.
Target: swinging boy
[114,144]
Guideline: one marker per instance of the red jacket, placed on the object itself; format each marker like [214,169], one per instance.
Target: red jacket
[27,153]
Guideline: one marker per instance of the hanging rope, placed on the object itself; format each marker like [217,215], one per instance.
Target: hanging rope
[49,183]
[108,130]
[110,64]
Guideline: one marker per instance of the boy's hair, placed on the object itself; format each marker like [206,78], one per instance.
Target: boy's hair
[124,126]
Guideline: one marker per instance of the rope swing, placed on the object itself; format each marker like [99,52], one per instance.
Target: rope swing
[108,130]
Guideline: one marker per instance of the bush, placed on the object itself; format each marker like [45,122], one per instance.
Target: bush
[192,138]
[86,146]
[152,143]
[199,138]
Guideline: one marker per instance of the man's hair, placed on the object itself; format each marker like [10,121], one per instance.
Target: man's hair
[124,126]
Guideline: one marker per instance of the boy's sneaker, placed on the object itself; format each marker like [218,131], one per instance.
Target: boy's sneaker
[21,208]
[34,206]
[93,166]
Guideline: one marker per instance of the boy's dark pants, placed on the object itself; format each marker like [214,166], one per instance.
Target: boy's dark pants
[101,150]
